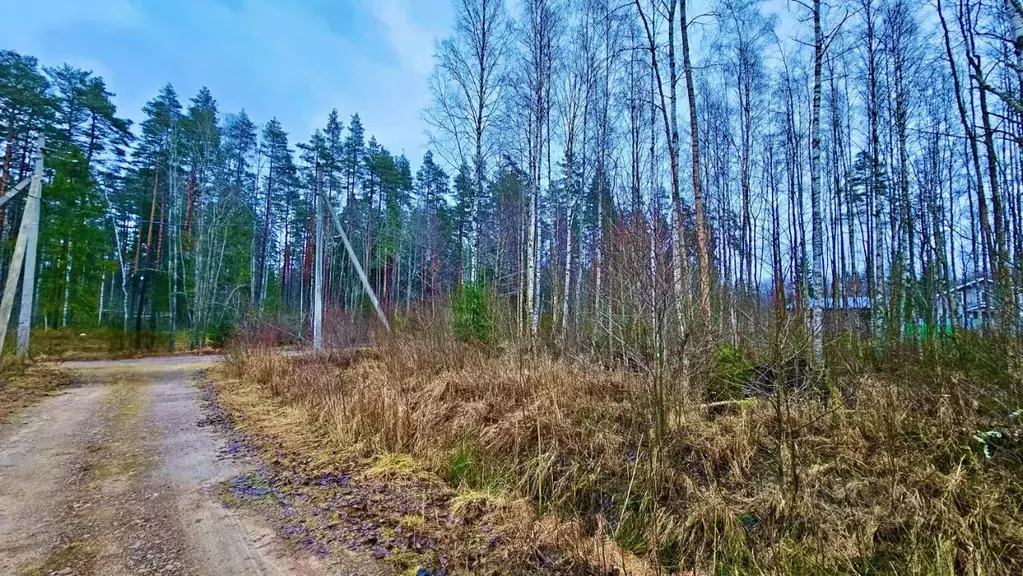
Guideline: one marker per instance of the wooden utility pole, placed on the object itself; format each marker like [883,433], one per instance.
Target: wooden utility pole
[355,263]
[24,257]
[318,271]
[28,284]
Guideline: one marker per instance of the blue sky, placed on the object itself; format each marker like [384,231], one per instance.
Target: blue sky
[293,59]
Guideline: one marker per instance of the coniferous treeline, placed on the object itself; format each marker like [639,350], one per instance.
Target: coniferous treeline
[196,219]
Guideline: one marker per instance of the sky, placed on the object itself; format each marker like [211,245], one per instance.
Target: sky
[290,59]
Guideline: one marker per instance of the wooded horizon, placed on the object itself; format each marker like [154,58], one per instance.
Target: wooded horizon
[870,165]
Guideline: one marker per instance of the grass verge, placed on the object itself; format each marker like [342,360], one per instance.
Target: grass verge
[915,472]
[23,384]
[386,503]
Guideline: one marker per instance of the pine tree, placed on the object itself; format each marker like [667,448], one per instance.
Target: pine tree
[25,106]
[160,129]
[239,144]
[154,182]
[352,164]
[70,85]
[90,142]
[25,102]
[72,234]
[279,189]
[332,158]
[432,191]
[106,135]
[239,148]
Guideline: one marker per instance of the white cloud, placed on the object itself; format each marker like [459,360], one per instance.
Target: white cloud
[411,41]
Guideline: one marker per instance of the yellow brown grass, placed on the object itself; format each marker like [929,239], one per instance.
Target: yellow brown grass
[23,384]
[907,477]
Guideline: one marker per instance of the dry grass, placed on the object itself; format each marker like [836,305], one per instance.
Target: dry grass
[22,385]
[295,439]
[914,475]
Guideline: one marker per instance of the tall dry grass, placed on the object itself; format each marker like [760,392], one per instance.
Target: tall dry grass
[915,473]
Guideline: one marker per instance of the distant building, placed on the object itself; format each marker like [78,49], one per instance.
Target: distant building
[852,312]
[973,299]
[849,303]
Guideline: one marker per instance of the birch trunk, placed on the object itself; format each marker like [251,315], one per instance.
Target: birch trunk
[817,274]
[702,234]
[67,287]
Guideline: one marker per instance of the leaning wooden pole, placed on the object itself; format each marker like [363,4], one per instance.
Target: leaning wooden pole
[14,191]
[355,262]
[13,275]
[21,247]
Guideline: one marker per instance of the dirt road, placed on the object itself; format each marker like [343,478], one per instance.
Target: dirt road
[119,477]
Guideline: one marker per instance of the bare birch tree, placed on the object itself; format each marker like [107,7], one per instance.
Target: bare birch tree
[466,88]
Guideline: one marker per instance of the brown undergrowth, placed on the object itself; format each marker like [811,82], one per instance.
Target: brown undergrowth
[910,474]
[363,497]
[23,384]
